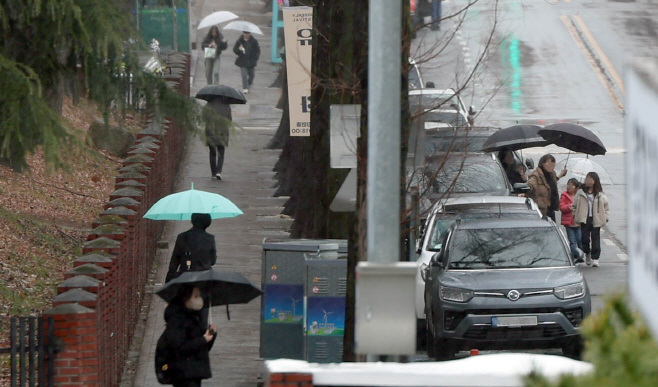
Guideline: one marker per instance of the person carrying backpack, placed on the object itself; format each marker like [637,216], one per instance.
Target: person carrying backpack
[181,355]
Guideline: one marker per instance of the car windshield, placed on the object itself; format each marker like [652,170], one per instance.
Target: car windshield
[443,223]
[435,101]
[453,142]
[475,176]
[507,248]
[446,116]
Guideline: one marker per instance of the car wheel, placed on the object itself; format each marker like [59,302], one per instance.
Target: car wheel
[430,343]
[444,350]
[421,335]
[573,349]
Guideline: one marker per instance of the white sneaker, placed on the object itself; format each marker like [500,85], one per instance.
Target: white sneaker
[595,263]
[588,259]
[245,91]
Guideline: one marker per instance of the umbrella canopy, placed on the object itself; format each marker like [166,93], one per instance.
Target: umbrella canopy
[181,206]
[229,95]
[222,288]
[216,18]
[241,25]
[579,167]
[514,138]
[573,137]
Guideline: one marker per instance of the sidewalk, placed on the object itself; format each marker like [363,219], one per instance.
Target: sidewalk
[247,181]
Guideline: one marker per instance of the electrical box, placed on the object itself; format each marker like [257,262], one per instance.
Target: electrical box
[326,285]
[283,275]
[385,308]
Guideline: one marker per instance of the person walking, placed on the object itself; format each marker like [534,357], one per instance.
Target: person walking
[436,15]
[216,43]
[194,249]
[573,229]
[543,186]
[591,213]
[188,339]
[217,117]
[248,52]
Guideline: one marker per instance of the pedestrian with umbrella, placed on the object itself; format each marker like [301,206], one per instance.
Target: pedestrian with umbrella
[213,45]
[248,52]
[218,122]
[592,213]
[186,340]
[543,186]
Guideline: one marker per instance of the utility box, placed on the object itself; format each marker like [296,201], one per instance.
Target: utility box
[326,285]
[385,308]
[283,275]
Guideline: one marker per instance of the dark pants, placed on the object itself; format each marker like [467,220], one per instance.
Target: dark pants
[187,383]
[247,76]
[593,234]
[216,158]
[210,65]
[436,14]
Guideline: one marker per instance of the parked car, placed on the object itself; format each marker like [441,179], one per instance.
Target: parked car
[445,213]
[504,284]
[436,100]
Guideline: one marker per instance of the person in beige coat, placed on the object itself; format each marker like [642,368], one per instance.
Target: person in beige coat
[543,186]
[591,212]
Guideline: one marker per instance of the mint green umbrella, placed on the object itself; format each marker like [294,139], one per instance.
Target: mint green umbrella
[181,206]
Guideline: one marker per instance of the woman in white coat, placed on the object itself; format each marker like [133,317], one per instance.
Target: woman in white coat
[591,212]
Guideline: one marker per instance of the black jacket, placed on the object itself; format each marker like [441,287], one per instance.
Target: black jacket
[196,246]
[184,338]
[251,53]
[221,46]
[216,115]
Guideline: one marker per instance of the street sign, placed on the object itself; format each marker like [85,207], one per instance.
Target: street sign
[642,192]
[298,31]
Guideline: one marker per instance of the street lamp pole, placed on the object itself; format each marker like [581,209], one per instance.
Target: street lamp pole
[384,74]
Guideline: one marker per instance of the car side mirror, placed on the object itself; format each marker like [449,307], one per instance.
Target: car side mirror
[436,260]
[471,110]
[521,187]
[530,163]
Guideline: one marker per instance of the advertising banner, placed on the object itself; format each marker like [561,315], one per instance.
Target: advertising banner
[298,31]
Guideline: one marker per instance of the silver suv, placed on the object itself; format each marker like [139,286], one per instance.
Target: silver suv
[504,284]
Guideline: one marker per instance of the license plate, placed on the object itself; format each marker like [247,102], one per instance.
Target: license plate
[514,321]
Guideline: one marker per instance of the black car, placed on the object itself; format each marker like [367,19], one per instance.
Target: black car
[504,284]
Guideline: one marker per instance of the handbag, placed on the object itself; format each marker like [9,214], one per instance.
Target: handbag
[209,52]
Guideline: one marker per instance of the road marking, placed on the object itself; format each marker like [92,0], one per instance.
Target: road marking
[600,53]
[608,242]
[623,257]
[590,59]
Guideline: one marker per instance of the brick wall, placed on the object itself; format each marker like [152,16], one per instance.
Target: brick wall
[97,304]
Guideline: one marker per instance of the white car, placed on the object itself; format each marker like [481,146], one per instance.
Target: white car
[444,214]
[441,102]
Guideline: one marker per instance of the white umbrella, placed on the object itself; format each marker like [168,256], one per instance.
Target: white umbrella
[216,18]
[579,167]
[241,25]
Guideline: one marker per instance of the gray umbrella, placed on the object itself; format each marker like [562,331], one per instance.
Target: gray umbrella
[229,95]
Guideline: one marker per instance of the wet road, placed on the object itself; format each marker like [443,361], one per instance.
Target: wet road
[543,62]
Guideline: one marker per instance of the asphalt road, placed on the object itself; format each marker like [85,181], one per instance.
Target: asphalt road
[543,62]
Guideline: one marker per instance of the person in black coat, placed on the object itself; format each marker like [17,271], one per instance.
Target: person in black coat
[215,40]
[188,339]
[248,52]
[217,117]
[194,249]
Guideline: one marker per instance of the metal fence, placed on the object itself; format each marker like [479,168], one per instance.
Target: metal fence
[32,349]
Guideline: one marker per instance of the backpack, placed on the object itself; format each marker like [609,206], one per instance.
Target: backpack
[163,360]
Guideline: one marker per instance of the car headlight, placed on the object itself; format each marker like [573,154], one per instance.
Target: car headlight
[570,291]
[455,294]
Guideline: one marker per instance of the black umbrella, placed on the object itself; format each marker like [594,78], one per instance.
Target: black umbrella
[514,138]
[229,95]
[221,288]
[573,137]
